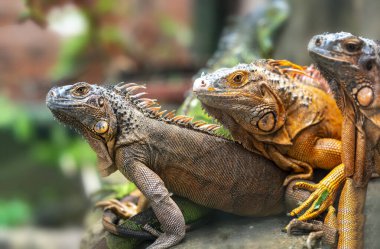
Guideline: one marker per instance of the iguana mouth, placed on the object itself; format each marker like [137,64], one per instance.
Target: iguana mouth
[222,94]
[316,53]
[60,103]
[64,105]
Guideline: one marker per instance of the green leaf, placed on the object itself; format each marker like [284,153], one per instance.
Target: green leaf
[14,212]
[321,199]
[23,127]
[69,56]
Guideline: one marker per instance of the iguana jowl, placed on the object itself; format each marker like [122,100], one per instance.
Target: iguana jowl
[163,153]
[288,120]
[351,64]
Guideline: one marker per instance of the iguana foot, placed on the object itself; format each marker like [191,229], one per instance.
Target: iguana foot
[314,228]
[129,206]
[323,195]
[123,209]
[327,230]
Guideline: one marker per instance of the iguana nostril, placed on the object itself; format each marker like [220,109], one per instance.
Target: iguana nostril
[52,93]
[200,84]
[318,42]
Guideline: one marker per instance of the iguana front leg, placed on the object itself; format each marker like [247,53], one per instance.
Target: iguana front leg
[326,153]
[167,212]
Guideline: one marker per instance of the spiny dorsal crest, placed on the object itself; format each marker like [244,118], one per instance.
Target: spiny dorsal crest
[308,75]
[287,68]
[316,79]
[151,108]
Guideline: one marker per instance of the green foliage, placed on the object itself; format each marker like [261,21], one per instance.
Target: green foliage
[171,28]
[110,34]
[275,17]
[16,120]
[14,212]
[192,107]
[69,54]
[104,6]
[40,141]
[114,191]
[23,124]
[62,148]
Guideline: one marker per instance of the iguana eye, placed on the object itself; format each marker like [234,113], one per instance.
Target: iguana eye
[101,127]
[81,90]
[353,46]
[238,78]
[267,122]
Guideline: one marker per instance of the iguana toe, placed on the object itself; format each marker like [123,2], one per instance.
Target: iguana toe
[122,209]
[323,196]
[318,231]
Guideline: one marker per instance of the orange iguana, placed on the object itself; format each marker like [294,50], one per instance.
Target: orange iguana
[351,64]
[291,121]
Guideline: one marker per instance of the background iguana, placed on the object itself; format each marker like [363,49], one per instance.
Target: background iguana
[288,120]
[163,153]
[351,65]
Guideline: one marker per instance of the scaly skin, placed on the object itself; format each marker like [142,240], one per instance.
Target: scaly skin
[352,67]
[290,121]
[163,154]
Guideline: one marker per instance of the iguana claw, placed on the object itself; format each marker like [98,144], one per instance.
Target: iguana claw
[326,230]
[323,195]
[314,228]
[122,209]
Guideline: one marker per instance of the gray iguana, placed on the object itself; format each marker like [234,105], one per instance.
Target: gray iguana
[351,64]
[162,154]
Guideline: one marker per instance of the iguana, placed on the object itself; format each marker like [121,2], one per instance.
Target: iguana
[164,154]
[292,121]
[351,65]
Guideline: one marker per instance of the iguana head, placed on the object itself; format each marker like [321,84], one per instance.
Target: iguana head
[86,108]
[240,93]
[350,64]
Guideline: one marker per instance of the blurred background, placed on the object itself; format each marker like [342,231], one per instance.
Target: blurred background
[47,172]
